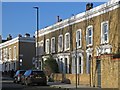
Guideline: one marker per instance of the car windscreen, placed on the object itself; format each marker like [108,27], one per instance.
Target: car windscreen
[27,73]
[17,73]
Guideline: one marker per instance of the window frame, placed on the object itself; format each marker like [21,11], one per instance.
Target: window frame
[1,54]
[15,53]
[10,54]
[52,48]
[103,41]
[77,40]
[65,44]
[60,48]
[47,47]
[87,37]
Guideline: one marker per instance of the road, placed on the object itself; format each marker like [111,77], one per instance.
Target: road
[9,85]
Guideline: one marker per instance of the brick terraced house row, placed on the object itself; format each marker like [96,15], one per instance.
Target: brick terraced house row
[17,53]
[94,38]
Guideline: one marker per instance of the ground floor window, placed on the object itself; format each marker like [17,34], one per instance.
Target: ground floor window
[88,64]
[79,64]
[63,64]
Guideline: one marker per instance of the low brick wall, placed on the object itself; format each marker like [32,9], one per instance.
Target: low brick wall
[110,72]
[82,79]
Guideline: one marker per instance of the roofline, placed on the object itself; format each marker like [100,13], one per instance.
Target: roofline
[17,39]
[106,7]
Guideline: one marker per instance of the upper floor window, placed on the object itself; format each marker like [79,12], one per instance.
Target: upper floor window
[1,54]
[104,32]
[78,38]
[89,35]
[10,55]
[41,47]
[47,46]
[14,52]
[5,53]
[53,45]
[67,41]
[60,43]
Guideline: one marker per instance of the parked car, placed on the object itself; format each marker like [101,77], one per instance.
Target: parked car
[18,75]
[34,77]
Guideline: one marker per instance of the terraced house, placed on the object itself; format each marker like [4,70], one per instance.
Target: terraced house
[93,37]
[17,53]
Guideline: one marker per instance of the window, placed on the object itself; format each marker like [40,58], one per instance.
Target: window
[47,46]
[67,41]
[14,53]
[89,35]
[41,47]
[10,55]
[73,64]
[79,59]
[66,67]
[4,54]
[79,63]
[88,63]
[104,32]
[61,65]
[1,54]
[78,38]
[60,43]
[53,45]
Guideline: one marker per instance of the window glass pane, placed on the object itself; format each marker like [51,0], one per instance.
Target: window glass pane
[47,46]
[90,40]
[78,35]
[65,65]
[89,32]
[67,41]
[53,44]
[79,43]
[105,27]
[105,37]
[79,64]
[60,43]
[78,38]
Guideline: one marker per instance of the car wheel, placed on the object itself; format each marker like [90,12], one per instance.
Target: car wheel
[26,83]
[44,84]
[22,83]
[14,81]
[17,82]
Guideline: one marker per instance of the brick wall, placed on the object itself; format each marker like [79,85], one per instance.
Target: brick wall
[82,79]
[110,72]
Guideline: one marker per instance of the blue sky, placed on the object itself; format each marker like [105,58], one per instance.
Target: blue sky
[20,17]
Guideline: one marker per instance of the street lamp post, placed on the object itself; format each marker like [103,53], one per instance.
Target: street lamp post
[37,19]
[76,64]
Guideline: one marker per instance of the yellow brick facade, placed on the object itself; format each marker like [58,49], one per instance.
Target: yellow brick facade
[97,68]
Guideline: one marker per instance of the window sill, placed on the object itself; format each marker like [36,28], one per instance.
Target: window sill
[79,47]
[67,49]
[89,45]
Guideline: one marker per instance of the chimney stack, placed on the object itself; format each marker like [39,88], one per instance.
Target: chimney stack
[19,35]
[9,37]
[58,18]
[89,6]
[27,35]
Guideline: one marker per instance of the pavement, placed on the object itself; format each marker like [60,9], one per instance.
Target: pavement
[63,85]
[57,84]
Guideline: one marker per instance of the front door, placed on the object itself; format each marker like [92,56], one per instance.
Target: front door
[99,73]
